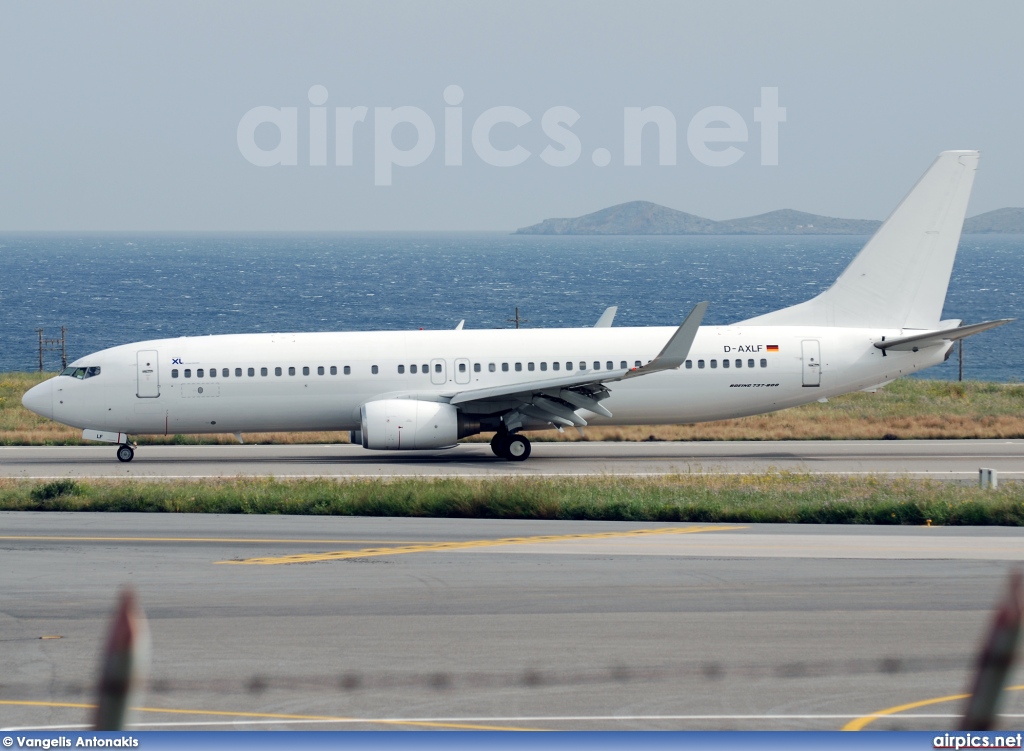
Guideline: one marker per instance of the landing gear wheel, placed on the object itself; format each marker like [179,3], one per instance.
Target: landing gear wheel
[125,453]
[499,445]
[517,448]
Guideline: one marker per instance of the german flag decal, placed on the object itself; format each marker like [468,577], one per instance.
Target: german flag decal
[773,347]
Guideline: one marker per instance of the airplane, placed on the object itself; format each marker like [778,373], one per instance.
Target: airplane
[416,390]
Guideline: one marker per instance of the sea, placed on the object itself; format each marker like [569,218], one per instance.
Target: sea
[109,289]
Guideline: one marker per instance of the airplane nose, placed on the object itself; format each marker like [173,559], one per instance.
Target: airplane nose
[39,399]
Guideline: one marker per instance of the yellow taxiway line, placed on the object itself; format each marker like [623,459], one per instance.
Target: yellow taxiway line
[862,722]
[341,555]
[271,716]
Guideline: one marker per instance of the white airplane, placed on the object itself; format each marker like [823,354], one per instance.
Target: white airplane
[427,389]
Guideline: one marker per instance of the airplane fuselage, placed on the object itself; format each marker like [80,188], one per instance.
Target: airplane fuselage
[318,381]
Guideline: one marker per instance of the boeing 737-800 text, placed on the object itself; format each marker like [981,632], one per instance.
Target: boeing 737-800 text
[427,389]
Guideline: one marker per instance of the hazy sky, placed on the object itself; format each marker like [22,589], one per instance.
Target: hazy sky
[125,115]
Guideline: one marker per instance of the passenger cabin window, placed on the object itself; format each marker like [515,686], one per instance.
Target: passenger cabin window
[348,370]
[305,370]
[277,371]
[334,370]
[636,364]
[437,368]
[320,370]
[401,369]
[623,365]
[291,370]
[504,367]
[519,366]
[412,369]
[725,363]
[174,373]
[374,369]
[689,364]
[188,372]
[491,367]
[764,363]
[199,372]
[597,365]
[556,365]
[263,371]
[714,363]
[583,365]
[568,366]
[238,372]
[462,367]
[476,367]
[739,363]
[700,364]
[529,366]
[543,366]
[424,368]
[252,372]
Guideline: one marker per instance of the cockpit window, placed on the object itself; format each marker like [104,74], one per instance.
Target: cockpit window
[80,373]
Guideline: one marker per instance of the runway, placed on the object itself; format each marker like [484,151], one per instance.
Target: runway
[943,460]
[302,622]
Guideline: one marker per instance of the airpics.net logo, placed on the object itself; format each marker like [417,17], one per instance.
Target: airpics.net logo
[714,135]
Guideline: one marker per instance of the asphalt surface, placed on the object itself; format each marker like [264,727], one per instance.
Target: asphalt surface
[300,622]
[945,460]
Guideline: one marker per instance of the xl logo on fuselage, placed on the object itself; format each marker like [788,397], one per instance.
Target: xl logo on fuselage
[743,348]
[176,361]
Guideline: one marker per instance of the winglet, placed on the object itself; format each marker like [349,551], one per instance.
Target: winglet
[461,324]
[674,353]
[605,321]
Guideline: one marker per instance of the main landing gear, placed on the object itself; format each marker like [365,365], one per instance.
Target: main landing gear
[515,448]
[125,453]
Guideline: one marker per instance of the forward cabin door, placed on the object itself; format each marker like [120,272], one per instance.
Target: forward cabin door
[149,374]
[812,362]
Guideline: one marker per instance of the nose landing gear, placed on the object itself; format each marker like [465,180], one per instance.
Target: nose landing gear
[125,453]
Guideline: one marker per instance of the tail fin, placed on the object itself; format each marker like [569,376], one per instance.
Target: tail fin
[899,279]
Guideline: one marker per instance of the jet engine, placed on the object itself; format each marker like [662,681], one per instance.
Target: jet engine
[411,424]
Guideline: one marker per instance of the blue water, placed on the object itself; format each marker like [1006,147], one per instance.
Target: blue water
[113,289]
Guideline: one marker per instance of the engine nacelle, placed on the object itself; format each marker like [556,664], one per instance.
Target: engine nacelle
[409,424]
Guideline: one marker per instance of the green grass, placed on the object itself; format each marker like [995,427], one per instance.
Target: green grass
[782,498]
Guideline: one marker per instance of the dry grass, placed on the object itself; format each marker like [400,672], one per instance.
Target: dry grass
[905,409]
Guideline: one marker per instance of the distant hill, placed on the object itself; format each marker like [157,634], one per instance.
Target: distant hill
[1000,221]
[646,218]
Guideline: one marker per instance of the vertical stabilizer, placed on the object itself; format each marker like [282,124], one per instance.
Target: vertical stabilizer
[899,279]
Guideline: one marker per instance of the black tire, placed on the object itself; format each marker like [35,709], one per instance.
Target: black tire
[499,445]
[517,448]
[125,453]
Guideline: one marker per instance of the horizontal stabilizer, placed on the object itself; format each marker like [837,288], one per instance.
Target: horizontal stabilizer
[934,338]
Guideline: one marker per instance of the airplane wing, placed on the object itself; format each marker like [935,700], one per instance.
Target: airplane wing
[557,400]
[934,338]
